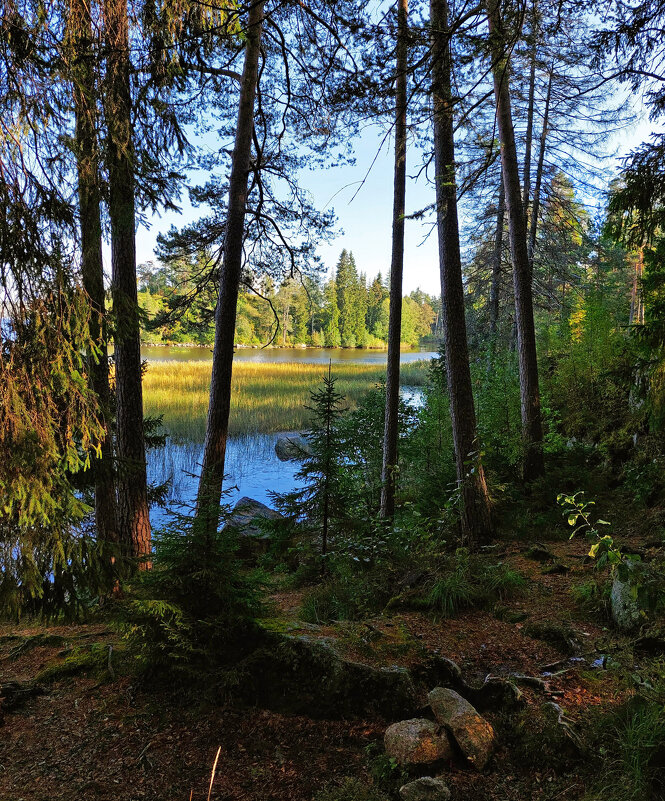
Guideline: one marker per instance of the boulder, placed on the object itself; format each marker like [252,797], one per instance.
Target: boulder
[425,789]
[248,518]
[417,742]
[472,733]
[305,675]
[625,605]
[292,447]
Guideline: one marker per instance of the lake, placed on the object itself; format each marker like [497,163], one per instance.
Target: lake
[252,466]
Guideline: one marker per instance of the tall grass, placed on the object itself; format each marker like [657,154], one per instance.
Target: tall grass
[265,397]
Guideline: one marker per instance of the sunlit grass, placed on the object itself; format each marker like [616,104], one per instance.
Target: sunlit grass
[265,397]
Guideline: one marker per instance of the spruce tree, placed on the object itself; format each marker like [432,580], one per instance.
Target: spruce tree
[321,500]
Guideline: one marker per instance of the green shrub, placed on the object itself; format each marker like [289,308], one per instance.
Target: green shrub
[197,604]
[632,748]
[467,581]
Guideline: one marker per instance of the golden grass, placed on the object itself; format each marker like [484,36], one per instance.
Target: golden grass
[266,397]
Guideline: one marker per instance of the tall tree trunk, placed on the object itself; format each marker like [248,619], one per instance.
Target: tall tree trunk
[530,109]
[87,162]
[532,431]
[391,433]
[133,517]
[533,226]
[214,453]
[476,511]
[495,286]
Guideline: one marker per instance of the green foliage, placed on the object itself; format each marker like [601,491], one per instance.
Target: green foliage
[350,790]
[196,605]
[178,300]
[579,514]
[322,501]
[386,772]
[631,753]
[50,563]
[465,581]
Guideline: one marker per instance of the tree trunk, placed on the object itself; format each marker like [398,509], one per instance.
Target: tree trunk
[87,161]
[530,110]
[214,453]
[532,432]
[133,517]
[391,432]
[533,227]
[495,286]
[476,512]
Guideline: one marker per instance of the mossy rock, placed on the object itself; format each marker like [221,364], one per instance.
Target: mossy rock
[558,635]
[304,675]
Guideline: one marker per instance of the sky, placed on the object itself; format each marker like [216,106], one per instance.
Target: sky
[364,211]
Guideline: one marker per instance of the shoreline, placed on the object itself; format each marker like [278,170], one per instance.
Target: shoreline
[196,345]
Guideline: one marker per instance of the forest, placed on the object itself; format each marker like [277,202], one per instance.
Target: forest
[273,527]
[347,311]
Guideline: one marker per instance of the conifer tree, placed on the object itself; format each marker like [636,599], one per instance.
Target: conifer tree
[322,499]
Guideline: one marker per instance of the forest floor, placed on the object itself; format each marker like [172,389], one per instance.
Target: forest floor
[99,735]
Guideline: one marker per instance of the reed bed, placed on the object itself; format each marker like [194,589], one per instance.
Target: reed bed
[266,397]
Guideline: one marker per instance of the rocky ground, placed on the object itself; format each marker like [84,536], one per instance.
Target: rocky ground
[76,724]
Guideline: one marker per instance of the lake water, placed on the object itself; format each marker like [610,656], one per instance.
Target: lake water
[252,466]
[160,353]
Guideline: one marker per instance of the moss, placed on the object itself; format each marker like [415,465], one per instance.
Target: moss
[89,660]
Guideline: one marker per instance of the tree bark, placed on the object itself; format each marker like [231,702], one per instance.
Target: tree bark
[476,509]
[495,286]
[530,110]
[533,227]
[391,422]
[532,432]
[133,517]
[214,453]
[92,273]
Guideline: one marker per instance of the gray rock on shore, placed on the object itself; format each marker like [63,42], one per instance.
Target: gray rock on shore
[292,447]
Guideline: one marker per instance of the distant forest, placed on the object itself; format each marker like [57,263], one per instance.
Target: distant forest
[348,311]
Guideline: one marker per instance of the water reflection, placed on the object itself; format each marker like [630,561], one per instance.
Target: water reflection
[160,353]
[252,466]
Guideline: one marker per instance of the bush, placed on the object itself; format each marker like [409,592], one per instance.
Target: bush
[196,606]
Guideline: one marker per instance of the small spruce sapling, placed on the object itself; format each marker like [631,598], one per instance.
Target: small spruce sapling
[323,482]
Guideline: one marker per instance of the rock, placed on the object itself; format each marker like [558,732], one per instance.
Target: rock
[556,569]
[248,518]
[540,553]
[625,606]
[494,693]
[417,742]
[14,695]
[556,634]
[302,675]
[473,734]
[425,789]
[292,447]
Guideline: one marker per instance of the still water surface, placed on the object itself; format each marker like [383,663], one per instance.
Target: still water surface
[252,466]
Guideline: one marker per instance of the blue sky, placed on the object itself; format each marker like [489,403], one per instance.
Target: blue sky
[365,220]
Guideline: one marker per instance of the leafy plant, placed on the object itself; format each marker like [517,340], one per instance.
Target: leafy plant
[579,514]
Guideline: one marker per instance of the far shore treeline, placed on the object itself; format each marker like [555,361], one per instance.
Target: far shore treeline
[348,311]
